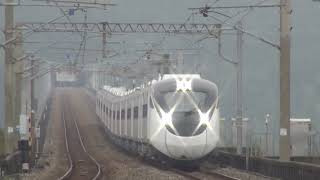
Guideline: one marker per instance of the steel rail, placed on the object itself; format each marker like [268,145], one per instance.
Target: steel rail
[220,175]
[71,166]
[85,149]
[186,174]
[192,175]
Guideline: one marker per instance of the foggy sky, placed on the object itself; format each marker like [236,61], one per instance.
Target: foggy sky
[261,70]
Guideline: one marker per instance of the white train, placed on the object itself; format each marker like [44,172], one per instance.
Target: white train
[177,116]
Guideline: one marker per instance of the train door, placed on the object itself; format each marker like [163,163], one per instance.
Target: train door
[97,105]
[136,117]
[112,117]
[120,119]
[140,115]
[109,115]
[117,117]
[126,117]
[145,115]
[106,113]
[123,117]
[131,116]
[103,111]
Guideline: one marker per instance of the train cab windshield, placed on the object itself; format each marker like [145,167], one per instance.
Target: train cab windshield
[202,96]
[185,105]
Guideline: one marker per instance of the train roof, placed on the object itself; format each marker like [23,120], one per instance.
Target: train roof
[122,91]
[191,76]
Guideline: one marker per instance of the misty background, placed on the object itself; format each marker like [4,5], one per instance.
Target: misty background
[261,61]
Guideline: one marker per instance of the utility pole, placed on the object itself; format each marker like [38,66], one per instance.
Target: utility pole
[104,40]
[33,104]
[2,104]
[9,77]
[84,36]
[267,121]
[18,53]
[32,99]
[239,65]
[239,68]
[18,75]
[285,41]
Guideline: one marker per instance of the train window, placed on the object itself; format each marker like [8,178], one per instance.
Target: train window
[114,114]
[118,115]
[104,108]
[129,113]
[202,97]
[107,111]
[161,89]
[199,98]
[135,112]
[145,110]
[123,114]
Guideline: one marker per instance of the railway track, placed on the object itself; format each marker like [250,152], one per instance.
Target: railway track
[203,174]
[71,166]
[81,164]
[220,175]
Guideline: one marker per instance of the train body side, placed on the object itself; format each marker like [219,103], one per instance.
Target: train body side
[135,116]
[126,116]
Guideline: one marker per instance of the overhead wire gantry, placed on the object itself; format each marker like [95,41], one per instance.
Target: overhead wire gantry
[121,27]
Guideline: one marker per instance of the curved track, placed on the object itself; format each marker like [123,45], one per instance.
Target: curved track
[201,174]
[218,174]
[81,164]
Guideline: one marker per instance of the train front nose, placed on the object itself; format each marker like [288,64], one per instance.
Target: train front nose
[185,107]
[186,148]
[186,138]
[186,123]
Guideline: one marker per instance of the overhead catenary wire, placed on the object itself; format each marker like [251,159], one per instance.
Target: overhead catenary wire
[40,49]
[77,2]
[29,33]
[248,33]
[236,27]
[83,35]
[247,10]
[49,5]
[60,3]
[164,37]
[84,38]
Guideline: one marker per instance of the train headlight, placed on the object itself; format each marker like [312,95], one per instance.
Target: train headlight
[167,118]
[183,85]
[203,117]
[167,121]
